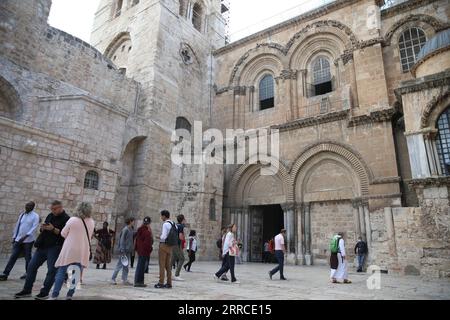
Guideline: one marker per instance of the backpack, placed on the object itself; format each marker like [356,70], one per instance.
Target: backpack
[172,237]
[334,244]
[272,246]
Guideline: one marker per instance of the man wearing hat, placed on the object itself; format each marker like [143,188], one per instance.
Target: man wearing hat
[280,249]
[144,248]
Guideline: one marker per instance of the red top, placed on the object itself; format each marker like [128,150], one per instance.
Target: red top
[144,241]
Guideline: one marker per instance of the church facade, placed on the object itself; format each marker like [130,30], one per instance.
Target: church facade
[358,90]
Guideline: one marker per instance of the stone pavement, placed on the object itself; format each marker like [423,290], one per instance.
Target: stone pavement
[304,283]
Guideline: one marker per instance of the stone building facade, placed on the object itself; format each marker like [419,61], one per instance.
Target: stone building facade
[352,87]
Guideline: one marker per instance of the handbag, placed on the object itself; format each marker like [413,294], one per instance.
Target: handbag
[89,240]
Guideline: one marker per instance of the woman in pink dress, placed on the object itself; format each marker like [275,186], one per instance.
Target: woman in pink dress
[76,250]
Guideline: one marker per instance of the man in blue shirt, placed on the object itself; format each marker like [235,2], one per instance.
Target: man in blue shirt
[24,235]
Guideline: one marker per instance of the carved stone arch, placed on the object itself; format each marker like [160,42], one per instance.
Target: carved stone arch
[261,50]
[340,30]
[118,40]
[344,152]
[261,64]
[11,105]
[434,109]
[129,141]
[410,20]
[247,173]
[327,176]
[314,45]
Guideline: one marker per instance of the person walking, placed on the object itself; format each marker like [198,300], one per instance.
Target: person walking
[338,260]
[24,235]
[191,249]
[144,247]
[220,243]
[280,250]
[177,253]
[76,251]
[361,252]
[229,252]
[126,246]
[104,245]
[167,241]
[266,252]
[48,246]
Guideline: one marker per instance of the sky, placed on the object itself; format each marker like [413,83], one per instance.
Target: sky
[247,16]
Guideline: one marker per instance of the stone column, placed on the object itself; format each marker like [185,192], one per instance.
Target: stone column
[289,223]
[307,213]
[300,234]
[418,156]
[368,229]
[246,238]
[357,216]
[433,157]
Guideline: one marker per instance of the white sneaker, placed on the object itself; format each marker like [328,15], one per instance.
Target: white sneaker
[113,282]
[51,298]
[178,279]
[79,286]
[127,283]
[235,282]
[216,278]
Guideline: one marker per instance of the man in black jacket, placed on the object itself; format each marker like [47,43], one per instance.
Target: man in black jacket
[361,251]
[49,245]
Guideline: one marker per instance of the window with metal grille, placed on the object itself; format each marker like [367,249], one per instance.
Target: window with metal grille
[91,180]
[197,14]
[443,141]
[410,43]
[212,210]
[266,93]
[321,76]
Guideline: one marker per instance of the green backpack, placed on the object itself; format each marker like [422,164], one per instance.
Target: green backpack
[334,244]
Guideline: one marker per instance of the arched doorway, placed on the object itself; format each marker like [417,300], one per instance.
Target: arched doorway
[10,103]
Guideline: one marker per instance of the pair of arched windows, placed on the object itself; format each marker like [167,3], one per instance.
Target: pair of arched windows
[321,78]
[120,6]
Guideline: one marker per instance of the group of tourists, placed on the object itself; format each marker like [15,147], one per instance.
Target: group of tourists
[64,243]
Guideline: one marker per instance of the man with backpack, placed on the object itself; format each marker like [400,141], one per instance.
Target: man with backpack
[361,251]
[280,250]
[177,251]
[168,239]
[338,259]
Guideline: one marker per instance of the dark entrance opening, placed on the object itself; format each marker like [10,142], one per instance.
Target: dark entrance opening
[267,221]
[323,88]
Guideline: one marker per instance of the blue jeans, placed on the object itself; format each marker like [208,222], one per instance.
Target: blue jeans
[361,258]
[39,257]
[139,276]
[228,264]
[16,250]
[279,254]
[119,267]
[60,277]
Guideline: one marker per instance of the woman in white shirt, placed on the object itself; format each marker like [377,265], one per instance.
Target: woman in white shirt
[191,249]
[229,252]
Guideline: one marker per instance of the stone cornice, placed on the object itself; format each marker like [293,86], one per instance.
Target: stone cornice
[404,7]
[305,17]
[430,182]
[375,116]
[429,82]
[312,121]
[89,99]
[386,180]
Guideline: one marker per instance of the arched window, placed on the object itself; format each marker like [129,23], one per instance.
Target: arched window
[197,16]
[183,123]
[118,9]
[410,43]
[135,2]
[91,180]
[443,141]
[181,9]
[321,74]
[266,93]
[212,210]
